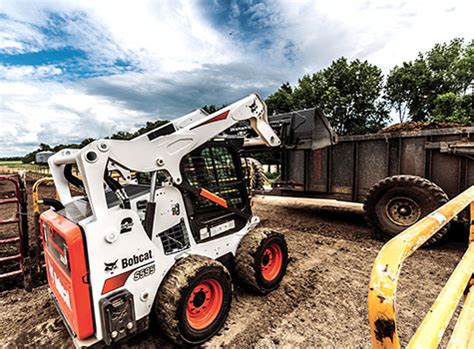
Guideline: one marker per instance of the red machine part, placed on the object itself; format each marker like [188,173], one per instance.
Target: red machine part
[204,304]
[272,262]
[67,271]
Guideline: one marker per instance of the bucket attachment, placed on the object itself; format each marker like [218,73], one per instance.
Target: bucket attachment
[306,129]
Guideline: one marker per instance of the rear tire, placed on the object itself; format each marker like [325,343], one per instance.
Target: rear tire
[194,300]
[395,203]
[258,177]
[261,260]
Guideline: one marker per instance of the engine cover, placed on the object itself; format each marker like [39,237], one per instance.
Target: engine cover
[67,271]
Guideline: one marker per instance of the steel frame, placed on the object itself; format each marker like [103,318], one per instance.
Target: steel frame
[21,222]
[36,213]
[384,279]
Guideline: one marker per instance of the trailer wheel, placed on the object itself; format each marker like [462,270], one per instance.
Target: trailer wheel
[397,202]
[194,300]
[255,168]
[261,260]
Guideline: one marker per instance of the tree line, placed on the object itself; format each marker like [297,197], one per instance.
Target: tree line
[124,135]
[436,86]
[357,98]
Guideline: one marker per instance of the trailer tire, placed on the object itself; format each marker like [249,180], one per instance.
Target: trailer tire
[258,179]
[261,260]
[395,203]
[189,282]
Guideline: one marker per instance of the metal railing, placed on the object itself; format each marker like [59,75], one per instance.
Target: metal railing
[384,279]
[20,221]
[37,212]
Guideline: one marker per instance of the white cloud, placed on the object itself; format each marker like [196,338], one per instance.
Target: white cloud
[52,112]
[27,71]
[183,59]
[385,32]
[19,37]
[162,36]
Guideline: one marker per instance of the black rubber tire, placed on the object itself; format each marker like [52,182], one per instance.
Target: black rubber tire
[259,178]
[173,294]
[427,195]
[249,256]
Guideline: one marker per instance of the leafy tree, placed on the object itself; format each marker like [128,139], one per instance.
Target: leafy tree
[150,125]
[212,108]
[281,101]
[450,107]
[352,97]
[209,108]
[309,91]
[44,147]
[348,93]
[11,158]
[30,157]
[122,135]
[463,69]
[416,85]
[85,142]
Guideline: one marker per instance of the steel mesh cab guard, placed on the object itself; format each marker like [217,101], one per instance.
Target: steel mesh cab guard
[386,271]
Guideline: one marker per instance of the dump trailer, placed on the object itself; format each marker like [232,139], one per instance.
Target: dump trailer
[123,252]
[400,177]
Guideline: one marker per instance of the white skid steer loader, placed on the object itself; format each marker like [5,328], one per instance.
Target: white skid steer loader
[123,253]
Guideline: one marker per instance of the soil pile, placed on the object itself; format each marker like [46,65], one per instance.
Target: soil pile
[418,126]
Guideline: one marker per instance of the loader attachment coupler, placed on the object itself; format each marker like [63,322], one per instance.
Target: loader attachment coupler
[306,129]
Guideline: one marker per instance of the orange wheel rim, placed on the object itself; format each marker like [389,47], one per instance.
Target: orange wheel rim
[272,261]
[204,304]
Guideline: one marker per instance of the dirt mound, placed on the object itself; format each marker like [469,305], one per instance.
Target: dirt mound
[418,126]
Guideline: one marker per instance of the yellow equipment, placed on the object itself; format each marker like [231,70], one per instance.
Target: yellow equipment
[36,211]
[386,271]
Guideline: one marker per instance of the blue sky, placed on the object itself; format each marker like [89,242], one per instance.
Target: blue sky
[70,70]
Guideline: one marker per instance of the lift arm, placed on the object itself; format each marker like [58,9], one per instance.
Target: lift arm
[161,149]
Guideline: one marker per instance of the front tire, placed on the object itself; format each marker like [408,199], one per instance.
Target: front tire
[395,203]
[194,300]
[261,260]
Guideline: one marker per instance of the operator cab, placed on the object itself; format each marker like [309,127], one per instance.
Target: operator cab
[216,167]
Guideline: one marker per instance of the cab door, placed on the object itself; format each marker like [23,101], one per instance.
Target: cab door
[215,167]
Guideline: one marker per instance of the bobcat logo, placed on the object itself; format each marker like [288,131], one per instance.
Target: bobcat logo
[110,267]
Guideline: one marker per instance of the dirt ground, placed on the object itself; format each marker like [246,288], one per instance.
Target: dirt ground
[321,303]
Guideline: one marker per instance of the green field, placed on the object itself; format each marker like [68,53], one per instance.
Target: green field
[14,166]
[8,163]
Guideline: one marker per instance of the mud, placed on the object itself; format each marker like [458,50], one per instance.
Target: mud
[419,125]
[321,303]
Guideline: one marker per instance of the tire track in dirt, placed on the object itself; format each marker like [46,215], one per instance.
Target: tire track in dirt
[302,299]
[322,301]
[253,316]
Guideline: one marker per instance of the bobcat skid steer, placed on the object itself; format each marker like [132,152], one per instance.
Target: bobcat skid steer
[123,254]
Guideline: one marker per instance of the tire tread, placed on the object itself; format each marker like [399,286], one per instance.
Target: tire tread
[370,202]
[171,291]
